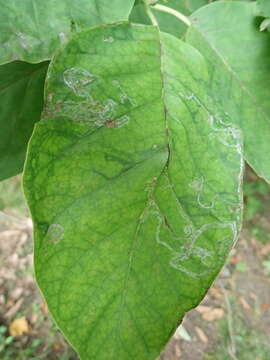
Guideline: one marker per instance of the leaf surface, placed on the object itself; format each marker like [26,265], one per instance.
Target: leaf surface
[134,185]
[21,102]
[32,30]
[263,7]
[227,34]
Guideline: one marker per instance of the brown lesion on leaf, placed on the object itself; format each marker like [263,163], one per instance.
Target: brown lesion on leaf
[186,246]
[110,124]
[154,181]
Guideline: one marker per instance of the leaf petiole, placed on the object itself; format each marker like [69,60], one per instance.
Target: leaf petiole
[150,14]
[173,12]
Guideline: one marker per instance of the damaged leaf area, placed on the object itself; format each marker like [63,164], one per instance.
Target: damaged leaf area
[32,30]
[133,179]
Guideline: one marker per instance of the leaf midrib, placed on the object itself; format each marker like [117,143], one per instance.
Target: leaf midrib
[131,256]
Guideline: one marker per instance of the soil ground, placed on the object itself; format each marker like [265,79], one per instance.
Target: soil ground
[232,322]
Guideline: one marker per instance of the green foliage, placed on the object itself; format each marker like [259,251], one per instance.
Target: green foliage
[21,103]
[240,76]
[257,195]
[4,340]
[167,22]
[33,30]
[254,191]
[263,7]
[134,173]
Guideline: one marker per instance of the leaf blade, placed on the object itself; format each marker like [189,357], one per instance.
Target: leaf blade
[21,88]
[117,218]
[32,31]
[263,8]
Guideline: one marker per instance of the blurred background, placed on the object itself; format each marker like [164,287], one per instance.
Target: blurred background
[233,321]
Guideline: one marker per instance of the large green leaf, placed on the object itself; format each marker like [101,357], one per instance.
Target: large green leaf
[167,22]
[21,102]
[134,185]
[238,56]
[31,30]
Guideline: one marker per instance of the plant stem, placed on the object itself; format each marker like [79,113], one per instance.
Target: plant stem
[232,348]
[173,12]
[149,13]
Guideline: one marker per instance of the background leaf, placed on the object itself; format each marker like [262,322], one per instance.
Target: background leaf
[31,30]
[263,7]
[21,102]
[228,35]
[134,185]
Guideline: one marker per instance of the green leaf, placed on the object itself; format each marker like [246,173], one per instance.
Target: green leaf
[263,7]
[134,185]
[238,58]
[167,22]
[21,102]
[139,14]
[31,30]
